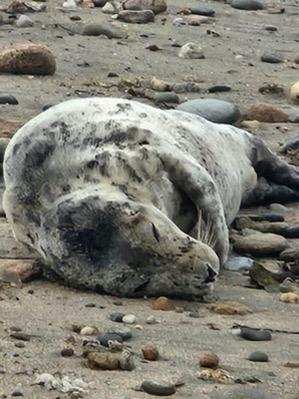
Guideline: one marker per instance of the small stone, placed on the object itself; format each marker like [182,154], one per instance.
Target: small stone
[271,28]
[229,308]
[202,10]
[157,6]
[197,20]
[70,5]
[151,320]
[20,336]
[109,8]
[159,85]
[251,126]
[289,297]
[99,30]
[258,357]
[117,317]
[191,51]
[99,3]
[31,59]
[124,332]
[162,303]
[272,58]
[247,5]
[238,263]
[153,47]
[217,376]
[150,352]
[19,345]
[129,319]
[110,336]
[8,99]
[266,113]
[67,352]
[103,361]
[24,22]
[279,208]
[260,244]
[214,110]
[219,89]
[251,334]
[166,97]
[88,330]
[294,93]
[209,359]
[136,17]
[179,309]
[289,254]
[18,391]
[158,388]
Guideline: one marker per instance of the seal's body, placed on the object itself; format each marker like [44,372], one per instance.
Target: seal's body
[127,199]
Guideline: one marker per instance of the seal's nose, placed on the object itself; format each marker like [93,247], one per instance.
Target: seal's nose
[211,275]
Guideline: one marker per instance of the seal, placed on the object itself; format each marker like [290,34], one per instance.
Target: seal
[125,199]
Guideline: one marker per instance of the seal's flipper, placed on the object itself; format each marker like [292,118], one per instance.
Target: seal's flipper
[191,178]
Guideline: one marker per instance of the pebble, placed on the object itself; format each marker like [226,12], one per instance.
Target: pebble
[110,361]
[21,336]
[124,332]
[110,336]
[197,20]
[258,357]
[157,6]
[151,320]
[162,303]
[229,308]
[272,58]
[251,126]
[219,89]
[214,110]
[129,319]
[251,334]
[150,352]
[268,217]
[158,388]
[191,51]
[99,3]
[209,359]
[8,99]
[136,17]
[289,254]
[266,113]
[117,317]
[67,352]
[289,297]
[24,22]
[202,10]
[294,93]
[238,263]
[19,345]
[88,330]
[70,5]
[18,391]
[166,97]
[271,28]
[194,315]
[108,8]
[99,29]
[260,244]
[279,208]
[30,59]
[247,5]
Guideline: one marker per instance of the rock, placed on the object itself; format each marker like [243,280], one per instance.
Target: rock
[267,216]
[18,271]
[67,352]
[8,99]
[258,357]
[31,59]
[247,5]
[162,303]
[24,22]
[289,254]
[265,277]
[159,85]
[20,345]
[109,8]
[266,113]
[294,93]
[272,58]
[280,228]
[291,145]
[191,51]
[214,110]
[89,330]
[99,29]
[157,6]
[158,388]
[202,9]
[151,320]
[124,332]
[18,391]
[260,244]
[209,360]
[219,89]
[136,17]
[197,20]
[166,97]
[251,126]
[229,308]
[217,376]
[251,334]
[153,47]
[99,3]
[291,232]
[117,317]
[70,5]
[20,336]
[289,297]
[129,319]
[271,28]
[238,263]
[278,208]
[150,352]
[110,336]
[103,361]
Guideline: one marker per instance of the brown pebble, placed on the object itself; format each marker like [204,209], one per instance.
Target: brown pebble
[21,336]
[19,345]
[162,303]
[67,352]
[289,297]
[209,359]
[150,352]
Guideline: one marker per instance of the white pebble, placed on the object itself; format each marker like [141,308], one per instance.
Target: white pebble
[129,319]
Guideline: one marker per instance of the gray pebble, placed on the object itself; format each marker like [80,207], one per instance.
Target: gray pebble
[247,5]
[8,99]
[157,388]
[258,357]
[272,58]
